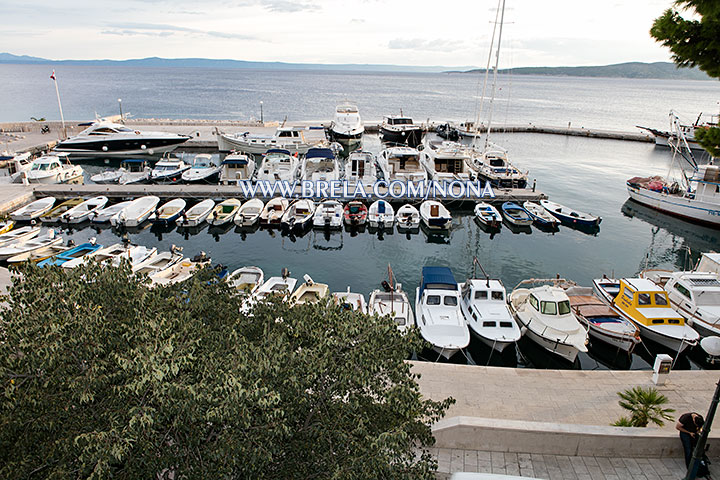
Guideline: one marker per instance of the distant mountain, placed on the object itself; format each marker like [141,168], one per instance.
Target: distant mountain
[6,58]
[666,70]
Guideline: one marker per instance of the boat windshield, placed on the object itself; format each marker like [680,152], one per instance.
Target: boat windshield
[564,307]
[661,299]
[450,301]
[548,308]
[643,299]
[433,300]
[44,166]
[498,295]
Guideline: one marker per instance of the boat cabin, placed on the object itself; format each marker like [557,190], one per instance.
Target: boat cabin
[448,157]
[203,160]
[438,288]
[705,184]
[16,164]
[103,128]
[134,165]
[646,303]
[360,166]
[477,294]
[709,262]
[694,289]
[549,302]
[398,120]
[49,163]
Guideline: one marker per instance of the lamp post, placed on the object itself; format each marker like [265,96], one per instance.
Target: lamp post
[262,119]
[120,105]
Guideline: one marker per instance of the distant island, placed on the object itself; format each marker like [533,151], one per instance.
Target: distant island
[660,70]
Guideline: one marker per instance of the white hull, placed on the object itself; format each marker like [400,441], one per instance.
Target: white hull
[497,345]
[56,178]
[227,143]
[564,350]
[680,206]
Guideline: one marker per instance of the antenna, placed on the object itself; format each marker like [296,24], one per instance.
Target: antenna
[477,263]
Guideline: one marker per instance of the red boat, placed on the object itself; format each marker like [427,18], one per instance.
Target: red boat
[355,213]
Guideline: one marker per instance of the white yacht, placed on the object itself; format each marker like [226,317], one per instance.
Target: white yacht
[134,171]
[381,215]
[486,312]
[328,214]
[401,163]
[438,314]
[446,161]
[319,164]
[278,165]
[361,167]
[291,139]
[236,168]
[347,125]
[54,169]
[168,170]
[203,170]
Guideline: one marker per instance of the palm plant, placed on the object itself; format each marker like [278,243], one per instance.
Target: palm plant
[645,405]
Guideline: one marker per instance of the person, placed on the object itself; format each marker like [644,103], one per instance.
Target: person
[689,425]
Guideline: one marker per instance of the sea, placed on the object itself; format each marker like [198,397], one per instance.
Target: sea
[584,173]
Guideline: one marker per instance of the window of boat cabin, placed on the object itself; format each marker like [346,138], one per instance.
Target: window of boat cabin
[643,299]
[450,301]
[481,295]
[534,302]
[433,300]
[102,131]
[661,299]
[497,295]
[628,294]
[548,308]
[684,291]
[564,307]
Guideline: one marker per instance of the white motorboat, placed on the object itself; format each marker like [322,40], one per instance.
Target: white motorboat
[179,272]
[438,314]
[309,292]
[102,255]
[107,177]
[435,216]
[224,212]
[446,162]
[401,163]
[361,167]
[291,139]
[273,211]
[33,210]
[168,170]
[540,216]
[169,212]
[236,168]
[159,262]
[196,214]
[106,139]
[492,165]
[51,169]
[485,309]
[319,164]
[350,301]
[408,218]
[104,215]
[347,125]
[603,322]
[381,215]
[249,213]
[393,302]
[545,317]
[328,214]
[400,130]
[246,279]
[82,212]
[278,165]
[134,171]
[53,216]
[136,212]
[488,215]
[27,245]
[282,287]
[298,215]
[12,169]
[203,170]
[18,235]
[135,256]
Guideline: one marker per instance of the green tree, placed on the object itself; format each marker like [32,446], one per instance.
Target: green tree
[694,43]
[645,406]
[104,377]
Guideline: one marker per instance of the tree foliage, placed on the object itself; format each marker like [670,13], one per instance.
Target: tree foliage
[645,406]
[103,377]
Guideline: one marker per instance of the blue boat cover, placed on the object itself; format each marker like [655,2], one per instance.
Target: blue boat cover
[320,153]
[381,207]
[277,150]
[235,161]
[134,160]
[437,276]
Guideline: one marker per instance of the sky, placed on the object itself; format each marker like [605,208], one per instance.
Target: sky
[400,32]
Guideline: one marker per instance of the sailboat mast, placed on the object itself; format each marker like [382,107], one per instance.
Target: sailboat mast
[481,100]
[495,72]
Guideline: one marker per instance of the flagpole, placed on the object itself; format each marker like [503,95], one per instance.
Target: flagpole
[57,92]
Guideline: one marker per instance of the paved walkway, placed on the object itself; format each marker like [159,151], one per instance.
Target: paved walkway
[558,467]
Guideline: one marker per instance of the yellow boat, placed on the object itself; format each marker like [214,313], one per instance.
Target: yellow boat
[6,226]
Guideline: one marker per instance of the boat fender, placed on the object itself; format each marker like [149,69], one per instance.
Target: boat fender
[104,148]
[523,330]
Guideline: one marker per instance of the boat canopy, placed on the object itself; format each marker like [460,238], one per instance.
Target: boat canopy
[437,278]
[277,150]
[134,160]
[320,153]
[235,161]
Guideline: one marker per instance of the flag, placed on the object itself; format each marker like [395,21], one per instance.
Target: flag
[53,75]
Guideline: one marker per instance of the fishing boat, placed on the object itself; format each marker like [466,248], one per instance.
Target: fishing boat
[681,132]
[516,215]
[33,210]
[71,254]
[488,215]
[346,126]
[361,167]
[168,170]
[159,262]
[236,168]
[196,214]
[180,271]
[400,130]
[401,163]
[438,314]
[135,171]
[435,216]
[446,162]
[541,217]
[408,218]
[51,169]
[249,213]
[169,212]
[106,139]
[22,234]
[291,139]
[84,210]
[603,322]
[14,168]
[355,213]
[393,302]
[319,164]
[298,215]
[224,212]
[54,215]
[39,255]
[381,215]
[273,211]
[309,292]
[27,245]
[278,165]
[136,212]
[545,317]
[104,215]
[570,217]
[202,170]
[350,301]
[328,214]
[6,226]
[246,279]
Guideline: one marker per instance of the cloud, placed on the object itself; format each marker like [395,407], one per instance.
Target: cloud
[433,45]
[282,6]
[358,20]
[164,30]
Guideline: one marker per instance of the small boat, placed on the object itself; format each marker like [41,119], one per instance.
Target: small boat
[569,216]
[540,216]
[408,218]
[136,212]
[492,165]
[236,168]
[249,213]
[346,127]
[224,212]
[39,255]
[33,210]
[606,289]
[350,301]
[246,279]
[319,164]
[107,177]
[135,171]
[516,215]
[71,254]
[110,255]
[203,170]
[438,314]
[298,215]
[169,212]
[381,215]
[545,317]
[6,226]
[54,215]
[18,235]
[273,211]
[328,214]
[309,292]
[196,215]
[291,139]
[435,216]
[25,246]
[180,271]
[159,262]
[278,165]
[52,169]
[400,130]
[392,301]
[15,167]
[282,287]
[488,215]
[104,215]
[355,213]
[361,167]
[135,255]
[603,322]
[168,170]
[83,211]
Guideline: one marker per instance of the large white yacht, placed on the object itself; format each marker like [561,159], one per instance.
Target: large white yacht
[401,163]
[347,125]
[446,161]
